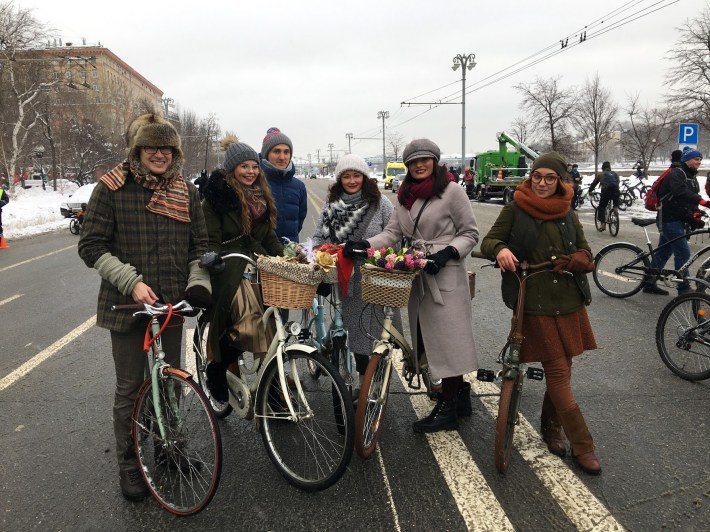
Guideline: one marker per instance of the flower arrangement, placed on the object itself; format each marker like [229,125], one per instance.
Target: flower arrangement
[405,260]
[323,257]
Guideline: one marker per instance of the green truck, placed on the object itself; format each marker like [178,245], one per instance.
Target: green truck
[498,172]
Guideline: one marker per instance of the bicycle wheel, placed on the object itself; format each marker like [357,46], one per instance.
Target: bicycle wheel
[703,273]
[372,406]
[683,336]
[339,359]
[613,274]
[74,227]
[510,393]
[594,199]
[625,201]
[182,469]
[313,451]
[307,337]
[613,222]
[199,346]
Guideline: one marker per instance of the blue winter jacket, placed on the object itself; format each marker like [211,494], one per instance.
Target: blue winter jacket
[290,197]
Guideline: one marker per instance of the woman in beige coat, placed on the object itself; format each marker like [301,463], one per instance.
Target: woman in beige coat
[439,305]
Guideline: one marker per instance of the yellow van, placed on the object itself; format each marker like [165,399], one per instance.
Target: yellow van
[392,170]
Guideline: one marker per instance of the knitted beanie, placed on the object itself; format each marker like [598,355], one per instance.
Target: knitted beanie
[151,130]
[236,153]
[689,153]
[421,149]
[551,160]
[273,138]
[675,156]
[351,162]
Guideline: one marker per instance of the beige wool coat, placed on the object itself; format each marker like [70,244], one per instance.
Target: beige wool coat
[440,303]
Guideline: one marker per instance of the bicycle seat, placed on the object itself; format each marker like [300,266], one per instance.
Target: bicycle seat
[643,222]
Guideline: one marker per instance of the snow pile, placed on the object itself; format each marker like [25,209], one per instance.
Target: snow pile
[34,211]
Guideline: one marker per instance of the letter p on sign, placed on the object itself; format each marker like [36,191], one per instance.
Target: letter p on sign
[688,134]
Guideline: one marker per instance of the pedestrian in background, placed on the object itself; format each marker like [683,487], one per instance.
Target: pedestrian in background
[355,210]
[679,194]
[439,304]
[144,233]
[538,226]
[289,192]
[4,200]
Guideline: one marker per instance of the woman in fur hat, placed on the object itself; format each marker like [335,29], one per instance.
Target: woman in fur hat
[536,226]
[437,217]
[144,233]
[241,218]
[355,210]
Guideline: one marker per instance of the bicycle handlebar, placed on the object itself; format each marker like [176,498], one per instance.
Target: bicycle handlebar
[525,265]
[155,310]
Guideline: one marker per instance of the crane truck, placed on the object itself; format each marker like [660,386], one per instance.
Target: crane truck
[498,172]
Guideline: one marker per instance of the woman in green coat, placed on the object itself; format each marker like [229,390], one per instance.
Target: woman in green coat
[539,226]
[240,214]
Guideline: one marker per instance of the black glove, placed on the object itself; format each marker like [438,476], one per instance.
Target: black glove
[213,262]
[323,289]
[198,296]
[439,259]
[356,248]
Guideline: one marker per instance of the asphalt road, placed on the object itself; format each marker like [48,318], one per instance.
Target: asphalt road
[58,467]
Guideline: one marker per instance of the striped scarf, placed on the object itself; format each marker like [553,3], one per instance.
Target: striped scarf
[170,196]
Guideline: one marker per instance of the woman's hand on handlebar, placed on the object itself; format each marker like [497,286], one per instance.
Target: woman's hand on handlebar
[142,293]
[506,260]
[356,248]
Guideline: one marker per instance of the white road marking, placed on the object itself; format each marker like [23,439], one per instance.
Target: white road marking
[390,498]
[580,506]
[11,298]
[475,500]
[189,364]
[43,355]
[37,258]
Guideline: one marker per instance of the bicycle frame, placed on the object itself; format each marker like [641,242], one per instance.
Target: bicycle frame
[391,339]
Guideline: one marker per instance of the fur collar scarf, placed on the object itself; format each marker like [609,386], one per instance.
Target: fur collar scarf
[220,195]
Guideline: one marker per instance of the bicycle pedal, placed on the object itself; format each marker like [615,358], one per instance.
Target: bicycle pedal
[486,375]
[536,374]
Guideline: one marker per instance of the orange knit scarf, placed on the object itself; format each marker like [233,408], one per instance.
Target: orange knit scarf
[551,208]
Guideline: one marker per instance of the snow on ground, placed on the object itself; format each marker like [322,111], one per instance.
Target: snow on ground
[34,211]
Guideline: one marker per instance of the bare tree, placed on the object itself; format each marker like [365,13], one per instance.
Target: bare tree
[519,129]
[395,141]
[649,128]
[549,109]
[595,116]
[19,30]
[210,132]
[688,79]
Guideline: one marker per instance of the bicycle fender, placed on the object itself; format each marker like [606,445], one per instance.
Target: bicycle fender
[179,372]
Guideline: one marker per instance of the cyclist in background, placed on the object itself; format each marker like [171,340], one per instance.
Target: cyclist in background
[144,233]
[610,191]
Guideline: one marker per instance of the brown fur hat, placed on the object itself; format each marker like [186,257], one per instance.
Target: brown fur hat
[152,130]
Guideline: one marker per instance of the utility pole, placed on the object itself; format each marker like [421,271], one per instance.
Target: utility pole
[318,160]
[349,136]
[330,164]
[383,115]
[466,62]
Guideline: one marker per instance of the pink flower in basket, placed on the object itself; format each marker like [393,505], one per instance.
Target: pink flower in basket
[370,252]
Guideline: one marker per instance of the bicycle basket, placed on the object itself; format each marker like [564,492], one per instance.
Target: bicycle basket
[288,285]
[386,287]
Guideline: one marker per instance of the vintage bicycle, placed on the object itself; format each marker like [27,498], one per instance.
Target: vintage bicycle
[306,424]
[512,371]
[176,438]
[620,268]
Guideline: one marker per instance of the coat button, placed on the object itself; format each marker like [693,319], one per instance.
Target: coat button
[557,312]
[554,281]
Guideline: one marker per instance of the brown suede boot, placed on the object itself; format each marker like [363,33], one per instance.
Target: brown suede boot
[581,441]
[551,429]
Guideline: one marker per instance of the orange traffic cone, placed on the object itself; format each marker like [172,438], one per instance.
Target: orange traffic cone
[3,244]
[500,172]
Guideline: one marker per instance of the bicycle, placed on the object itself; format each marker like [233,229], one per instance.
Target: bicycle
[611,219]
[620,268]
[306,424]
[176,438]
[76,223]
[513,371]
[594,197]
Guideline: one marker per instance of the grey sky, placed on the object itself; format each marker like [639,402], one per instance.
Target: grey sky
[320,69]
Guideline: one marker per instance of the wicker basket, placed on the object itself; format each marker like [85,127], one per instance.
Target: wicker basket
[386,287]
[288,285]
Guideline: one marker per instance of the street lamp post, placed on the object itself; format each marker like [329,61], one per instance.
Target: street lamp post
[466,62]
[349,136]
[383,115]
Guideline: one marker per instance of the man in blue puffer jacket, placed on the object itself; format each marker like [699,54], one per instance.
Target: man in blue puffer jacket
[289,192]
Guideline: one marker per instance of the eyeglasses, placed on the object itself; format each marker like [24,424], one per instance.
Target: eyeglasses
[152,150]
[550,179]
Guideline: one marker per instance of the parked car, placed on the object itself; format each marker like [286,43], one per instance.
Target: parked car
[73,204]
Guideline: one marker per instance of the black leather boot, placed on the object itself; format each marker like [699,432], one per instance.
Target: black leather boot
[217,370]
[463,400]
[442,417]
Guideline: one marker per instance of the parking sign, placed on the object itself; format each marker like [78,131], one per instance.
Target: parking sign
[688,134]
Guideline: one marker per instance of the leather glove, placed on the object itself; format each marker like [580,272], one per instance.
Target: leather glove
[356,248]
[323,289]
[439,259]
[198,296]
[578,262]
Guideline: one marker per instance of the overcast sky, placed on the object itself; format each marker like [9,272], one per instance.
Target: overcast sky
[319,69]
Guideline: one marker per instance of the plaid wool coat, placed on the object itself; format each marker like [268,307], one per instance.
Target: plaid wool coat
[160,248]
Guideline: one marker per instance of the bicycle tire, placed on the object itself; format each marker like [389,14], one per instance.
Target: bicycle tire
[313,452]
[625,201]
[606,275]
[613,222]
[594,199]
[683,346]
[74,227]
[601,226]
[510,394]
[703,272]
[182,470]
[372,406]
[199,346]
